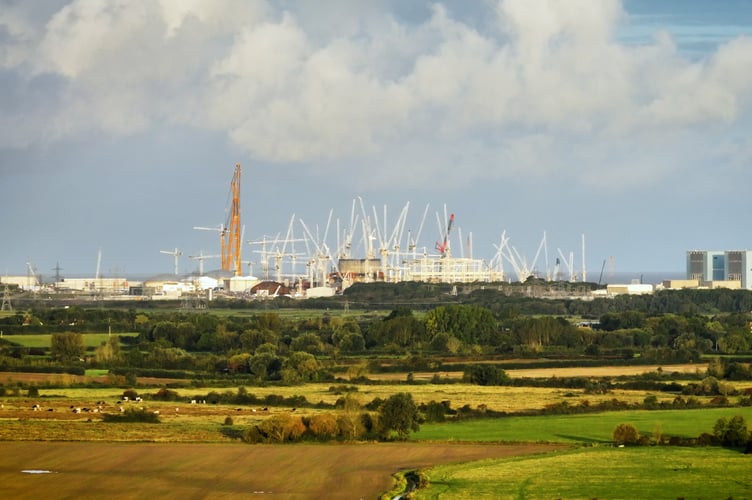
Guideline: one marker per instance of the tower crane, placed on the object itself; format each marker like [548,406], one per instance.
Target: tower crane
[231,259]
[230,233]
[201,258]
[222,229]
[443,247]
[175,253]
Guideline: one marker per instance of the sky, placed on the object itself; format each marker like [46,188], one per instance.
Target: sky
[121,123]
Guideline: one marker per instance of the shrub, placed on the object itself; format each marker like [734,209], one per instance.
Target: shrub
[164,394]
[282,428]
[731,432]
[485,374]
[229,421]
[133,415]
[130,394]
[435,412]
[323,426]
[626,434]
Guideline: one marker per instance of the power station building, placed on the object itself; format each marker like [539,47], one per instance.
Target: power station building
[711,267]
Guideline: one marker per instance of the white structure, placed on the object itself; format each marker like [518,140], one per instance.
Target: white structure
[94,285]
[630,289]
[29,282]
[206,283]
[239,284]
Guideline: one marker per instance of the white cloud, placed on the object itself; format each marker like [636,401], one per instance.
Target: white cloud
[441,99]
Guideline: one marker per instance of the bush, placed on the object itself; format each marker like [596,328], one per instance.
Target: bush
[731,432]
[323,426]
[626,434]
[485,374]
[164,394]
[133,415]
[130,394]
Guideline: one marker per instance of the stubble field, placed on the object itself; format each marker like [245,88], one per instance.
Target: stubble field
[185,471]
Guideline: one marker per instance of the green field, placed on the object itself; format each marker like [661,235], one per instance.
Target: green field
[585,428]
[43,340]
[648,472]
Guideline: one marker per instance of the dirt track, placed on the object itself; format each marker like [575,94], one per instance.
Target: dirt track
[183,471]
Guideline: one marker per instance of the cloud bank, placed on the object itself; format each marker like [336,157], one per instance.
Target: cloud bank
[543,89]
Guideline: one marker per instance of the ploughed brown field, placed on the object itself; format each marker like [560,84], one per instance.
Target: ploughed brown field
[184,471]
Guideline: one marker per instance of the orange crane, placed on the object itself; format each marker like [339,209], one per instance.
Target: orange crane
[442,247]
[230,233]
[231,258]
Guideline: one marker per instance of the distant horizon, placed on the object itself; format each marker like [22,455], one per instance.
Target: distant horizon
[621,277]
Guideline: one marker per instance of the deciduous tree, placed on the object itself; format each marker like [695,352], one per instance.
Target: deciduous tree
[67,347]
[399,414]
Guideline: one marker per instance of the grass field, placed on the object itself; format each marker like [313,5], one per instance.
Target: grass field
[507,399]
[194,454]
[580,371]
[650,472]
[43,340]
[585,428]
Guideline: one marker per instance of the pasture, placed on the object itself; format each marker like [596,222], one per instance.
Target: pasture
[583,428]
[644,472]
[501,399]
[187,454]
[43,340]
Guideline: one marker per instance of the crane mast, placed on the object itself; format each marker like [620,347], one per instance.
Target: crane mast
[444,246]
[231,257]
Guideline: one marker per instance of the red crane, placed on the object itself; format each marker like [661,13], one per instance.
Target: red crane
[444,246]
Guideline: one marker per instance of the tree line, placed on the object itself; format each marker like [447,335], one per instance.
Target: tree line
[268,346]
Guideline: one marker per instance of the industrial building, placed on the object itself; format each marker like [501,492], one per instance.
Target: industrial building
[720,268]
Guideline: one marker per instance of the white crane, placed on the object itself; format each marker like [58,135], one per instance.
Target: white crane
[31,277]
[318,261]
[176,254]
[99,264]
[201,258]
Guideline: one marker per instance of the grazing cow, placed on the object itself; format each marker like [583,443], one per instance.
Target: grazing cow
[36,407]
[193,401]
[156,412]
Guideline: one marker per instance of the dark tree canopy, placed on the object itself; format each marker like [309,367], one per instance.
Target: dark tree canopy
[399,414]
[67,347]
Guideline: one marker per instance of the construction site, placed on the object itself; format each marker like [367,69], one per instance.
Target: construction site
[304,260]
[369,246]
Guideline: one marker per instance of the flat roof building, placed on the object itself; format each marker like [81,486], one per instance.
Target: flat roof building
[722,266]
